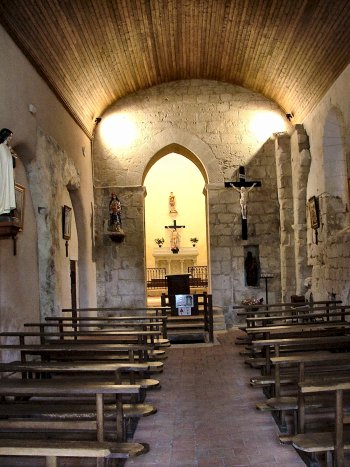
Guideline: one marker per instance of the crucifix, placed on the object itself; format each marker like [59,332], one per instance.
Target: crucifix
[174,236]
[243,187]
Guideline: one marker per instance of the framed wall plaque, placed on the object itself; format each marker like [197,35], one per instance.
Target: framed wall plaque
[314,214]
[66,222]
[19,211]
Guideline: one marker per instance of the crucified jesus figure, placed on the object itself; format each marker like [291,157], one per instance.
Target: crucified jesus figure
[243,192]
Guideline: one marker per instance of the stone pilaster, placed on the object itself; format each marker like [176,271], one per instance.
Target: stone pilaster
[285,198]
[301,161]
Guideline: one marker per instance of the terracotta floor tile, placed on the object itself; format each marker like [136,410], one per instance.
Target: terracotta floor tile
[212,413]
[206,415]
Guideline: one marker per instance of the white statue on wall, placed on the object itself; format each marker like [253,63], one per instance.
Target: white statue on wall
[7,182]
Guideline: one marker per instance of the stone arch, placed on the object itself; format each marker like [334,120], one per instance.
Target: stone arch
[176,140]
[334,156]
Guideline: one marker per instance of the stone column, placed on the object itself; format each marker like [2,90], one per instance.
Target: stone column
[285,198]
[301,161]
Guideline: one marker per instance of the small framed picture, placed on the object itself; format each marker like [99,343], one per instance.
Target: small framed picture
[314,214]
[66,222]
[19,211]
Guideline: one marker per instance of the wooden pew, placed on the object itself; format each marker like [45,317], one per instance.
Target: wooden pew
[282,404]
[327,441]
[16,414]
[102,353]
[243,310]
[66,388]
[307,315]
[120,312]
[281,310]
[297,344]
[327,365]
[154,322]
[52,450]
[308,329]
[144,338]
[114,371]
[92,337]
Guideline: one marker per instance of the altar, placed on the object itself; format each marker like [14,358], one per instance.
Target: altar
[175,263]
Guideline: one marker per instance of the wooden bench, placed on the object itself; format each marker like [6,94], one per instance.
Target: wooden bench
[140,336]
[52,450]
[328,365]
[280,311]
[102,353]
[89,337]
[44,416]
[158,321]
[243,310]
[67,388]
[298,343]
[329,441]
[135,371]
[309,315]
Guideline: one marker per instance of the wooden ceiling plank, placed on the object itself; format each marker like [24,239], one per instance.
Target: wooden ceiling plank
[270,46]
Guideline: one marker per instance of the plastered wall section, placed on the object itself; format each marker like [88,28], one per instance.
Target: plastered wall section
[20,86]
[329,258]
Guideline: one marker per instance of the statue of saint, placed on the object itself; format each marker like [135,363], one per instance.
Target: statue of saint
[172,203]
[251,270]
[115,209]
[7,182]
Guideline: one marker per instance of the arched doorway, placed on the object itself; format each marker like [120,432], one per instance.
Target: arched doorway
[175,222]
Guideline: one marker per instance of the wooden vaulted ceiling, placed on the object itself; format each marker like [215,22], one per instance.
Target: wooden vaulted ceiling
[93,52]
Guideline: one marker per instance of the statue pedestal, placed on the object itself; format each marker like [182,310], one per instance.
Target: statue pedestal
[117,235]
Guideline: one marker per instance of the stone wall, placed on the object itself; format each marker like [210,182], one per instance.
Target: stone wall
[214,122]
[120,266]
[328,127]
[227,246]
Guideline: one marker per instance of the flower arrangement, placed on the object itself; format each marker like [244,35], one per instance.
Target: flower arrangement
[159,241]
[194,240]
[252,301]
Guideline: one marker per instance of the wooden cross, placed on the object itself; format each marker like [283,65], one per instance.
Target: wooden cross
[174,226]
[174,241]
[242,183]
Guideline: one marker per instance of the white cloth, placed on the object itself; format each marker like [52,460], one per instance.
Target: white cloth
[7,183]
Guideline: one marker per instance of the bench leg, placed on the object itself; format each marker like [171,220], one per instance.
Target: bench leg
[329,458]
[51,461]
[100,462]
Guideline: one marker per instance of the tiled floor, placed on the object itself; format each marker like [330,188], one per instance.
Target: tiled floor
[206,413]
